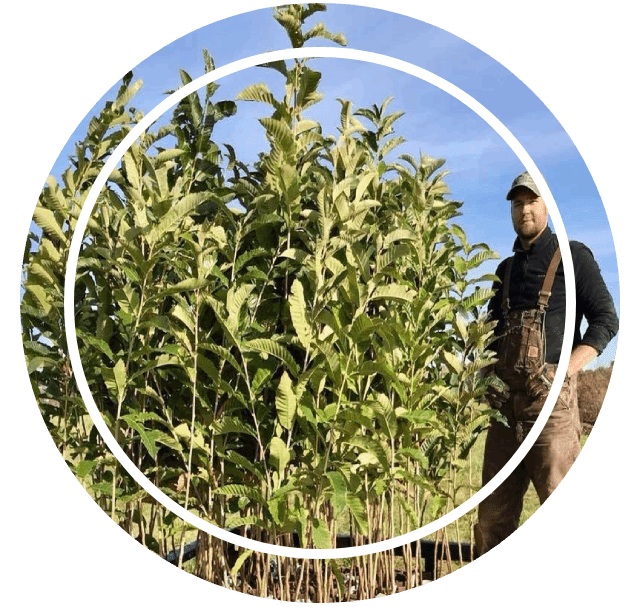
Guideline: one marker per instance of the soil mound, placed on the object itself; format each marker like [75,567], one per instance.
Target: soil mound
[592,386]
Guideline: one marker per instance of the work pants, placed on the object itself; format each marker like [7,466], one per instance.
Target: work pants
[546,464]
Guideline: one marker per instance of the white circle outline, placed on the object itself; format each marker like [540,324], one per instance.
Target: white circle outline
[76,362]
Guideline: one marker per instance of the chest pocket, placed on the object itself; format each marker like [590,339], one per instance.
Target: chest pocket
[522,349]
[522,345]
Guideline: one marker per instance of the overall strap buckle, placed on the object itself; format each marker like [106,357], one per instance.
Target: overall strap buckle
[544,293]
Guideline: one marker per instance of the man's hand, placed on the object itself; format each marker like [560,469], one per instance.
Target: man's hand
[539,385]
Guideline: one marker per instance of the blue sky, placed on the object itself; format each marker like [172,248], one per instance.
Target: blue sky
[482,166]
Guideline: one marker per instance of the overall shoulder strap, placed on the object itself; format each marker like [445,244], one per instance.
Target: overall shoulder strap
[545,292]
[505,287]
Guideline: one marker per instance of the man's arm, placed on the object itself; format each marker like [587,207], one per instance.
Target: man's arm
[594,301]
[582,355]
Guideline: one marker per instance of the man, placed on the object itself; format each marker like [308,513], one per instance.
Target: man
[529,305]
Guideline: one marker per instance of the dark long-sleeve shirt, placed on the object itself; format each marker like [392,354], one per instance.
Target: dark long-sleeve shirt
[593,300]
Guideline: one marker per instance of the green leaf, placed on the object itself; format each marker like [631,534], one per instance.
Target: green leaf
[181,208]
[362,328]
[241,559]
[116,380]
[105,488]
[394,292]
[131,169]
[481,257]
[145,437]
[183,430]
[275,349]
[214,375]
[279,66]
[478,298]
[437,505]
[84,467]
[418,417]
[386,415]
[395,252]
[299,314]
[371,447]
[258,92]
[320,534]
[187,318]
[126,95]
[230,425]
[415,454]
[357,509]
[223,353]
[363,184]
[188,284]
[39,362]
[450,395]
[41,295]
[279,455]
[209,66]
[242,462]
[337,572]
[461,327]
[411,513]
[490,277]
[339,490]
[223,109]
[280,134]
[45,219]
[399,235]
[286,402]
[296,254]
[167,155]
[237,490]
[236,298]
[452,362]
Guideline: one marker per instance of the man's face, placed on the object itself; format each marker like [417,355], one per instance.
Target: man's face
[528,214]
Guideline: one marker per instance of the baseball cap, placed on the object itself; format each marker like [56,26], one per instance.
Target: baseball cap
[524,179]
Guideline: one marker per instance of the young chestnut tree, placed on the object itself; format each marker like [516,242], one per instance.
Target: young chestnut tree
[289,345]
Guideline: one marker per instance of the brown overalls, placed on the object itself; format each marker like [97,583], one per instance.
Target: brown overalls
[521,356]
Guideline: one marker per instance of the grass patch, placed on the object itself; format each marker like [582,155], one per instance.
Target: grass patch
[470,478]
[465,523]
